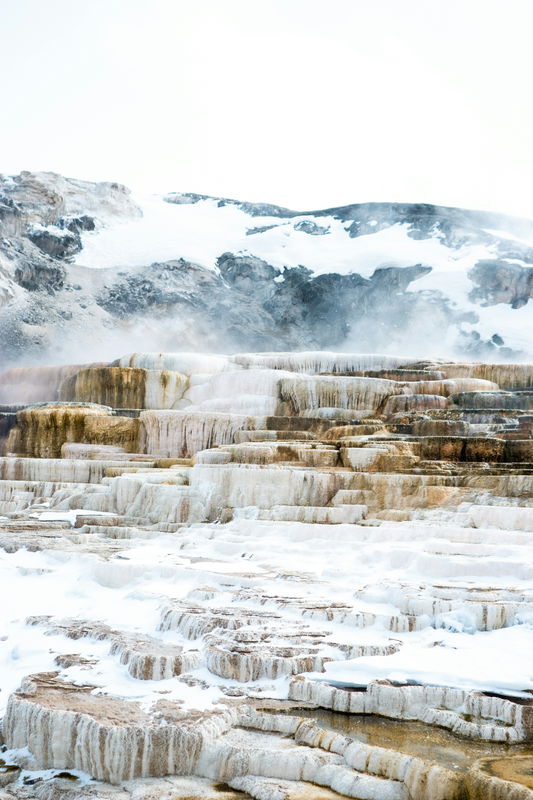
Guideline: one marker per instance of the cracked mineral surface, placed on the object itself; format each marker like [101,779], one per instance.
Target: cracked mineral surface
[273,575]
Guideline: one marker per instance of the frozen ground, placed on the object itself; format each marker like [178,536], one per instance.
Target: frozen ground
[282,568]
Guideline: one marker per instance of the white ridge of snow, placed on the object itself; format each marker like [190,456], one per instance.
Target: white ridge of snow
[202,231]
[510,236]
[199,233]
[477,662]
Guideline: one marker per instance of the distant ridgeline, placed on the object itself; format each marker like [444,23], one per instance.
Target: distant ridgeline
[87,270]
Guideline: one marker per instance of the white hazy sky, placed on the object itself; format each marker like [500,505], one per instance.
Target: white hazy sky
[304,103]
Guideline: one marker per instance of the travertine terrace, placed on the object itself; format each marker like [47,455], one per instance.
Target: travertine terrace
[197,552]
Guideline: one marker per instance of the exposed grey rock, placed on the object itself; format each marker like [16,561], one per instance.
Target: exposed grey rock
[76,224]
[54,241]
[52,310]
[25,264]
[253,209]
[308,226]
[501,281]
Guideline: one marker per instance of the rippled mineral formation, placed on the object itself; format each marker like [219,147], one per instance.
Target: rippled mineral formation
[278,576]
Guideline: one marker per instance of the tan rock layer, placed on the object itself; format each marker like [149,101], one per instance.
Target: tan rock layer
[25,385]
[125,387]
[45,429]
[67,727]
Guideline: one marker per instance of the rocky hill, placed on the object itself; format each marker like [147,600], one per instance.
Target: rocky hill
[87,272]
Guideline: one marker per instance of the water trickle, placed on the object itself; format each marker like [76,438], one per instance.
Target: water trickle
[413,738]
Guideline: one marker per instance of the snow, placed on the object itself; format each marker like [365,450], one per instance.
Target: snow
[52,230]
[165,232]
[231,568]
[460,661]
[368,568]
[67,516]
[47,585]
[338,253]
[202,231]
[14,756]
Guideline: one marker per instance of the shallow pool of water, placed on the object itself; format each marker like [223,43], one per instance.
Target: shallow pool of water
[412,738]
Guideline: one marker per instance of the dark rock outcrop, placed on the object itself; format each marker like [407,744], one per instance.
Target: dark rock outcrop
[55,242]
[53,308]
[501,281]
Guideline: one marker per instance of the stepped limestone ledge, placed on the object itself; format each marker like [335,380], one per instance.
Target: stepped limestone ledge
[465,713]
[69,727]
[289,575]
[125,387]
[505,778]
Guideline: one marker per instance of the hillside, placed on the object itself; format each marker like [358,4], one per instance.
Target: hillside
[88,271]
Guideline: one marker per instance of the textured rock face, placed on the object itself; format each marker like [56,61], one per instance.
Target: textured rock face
[502,282]
[35,385]
[182,434]
[41,218]
[47,198]
[118,431]
[114,740]
[125,387]
[382,281]
[42,430]
[507,376]
[55,242]
[286,586]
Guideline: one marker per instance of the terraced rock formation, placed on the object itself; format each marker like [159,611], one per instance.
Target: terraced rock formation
[308,576]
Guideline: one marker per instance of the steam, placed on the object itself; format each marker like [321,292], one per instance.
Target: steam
[421,280]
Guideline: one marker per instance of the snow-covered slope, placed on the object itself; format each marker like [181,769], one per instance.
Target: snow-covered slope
[202,231]
[88,270]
